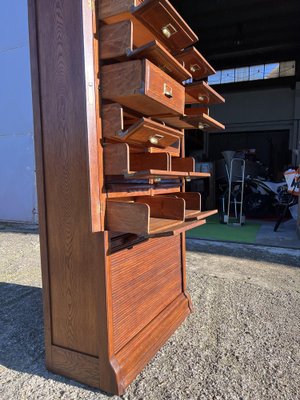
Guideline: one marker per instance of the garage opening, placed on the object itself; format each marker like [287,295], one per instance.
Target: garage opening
[267,151]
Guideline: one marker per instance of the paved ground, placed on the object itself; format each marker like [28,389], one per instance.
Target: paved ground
[241,343]
[286,235]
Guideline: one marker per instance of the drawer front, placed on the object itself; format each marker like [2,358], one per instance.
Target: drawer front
[144,281]
[202,93]
[161,18]
[143,87]
[195,63]
[122,126]
[164,89]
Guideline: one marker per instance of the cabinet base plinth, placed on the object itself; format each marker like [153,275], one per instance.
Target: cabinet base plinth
[129,361]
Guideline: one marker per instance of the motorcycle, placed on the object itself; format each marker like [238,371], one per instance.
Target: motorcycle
[261,198]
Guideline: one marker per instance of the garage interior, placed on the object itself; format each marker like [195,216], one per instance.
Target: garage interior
[254,47]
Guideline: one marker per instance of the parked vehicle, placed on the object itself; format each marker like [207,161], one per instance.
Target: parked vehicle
[261,198]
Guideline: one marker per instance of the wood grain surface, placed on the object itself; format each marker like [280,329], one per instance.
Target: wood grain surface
[143,87]
[164,207]
[159,55]
[137,353]
[73,252]
[77,366]
[142,161]
[40,171]
[145,280]
[128,217]
[116,40]
[186,164]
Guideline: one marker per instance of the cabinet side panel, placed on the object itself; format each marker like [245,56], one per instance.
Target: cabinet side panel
[144,281]
[39,162]
[74,253]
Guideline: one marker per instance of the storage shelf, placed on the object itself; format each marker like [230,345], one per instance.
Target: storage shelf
[193,206]
[187,165]
[120,163]
[121,190]
[194,214]
[151,216]
[159,225]
[155,174]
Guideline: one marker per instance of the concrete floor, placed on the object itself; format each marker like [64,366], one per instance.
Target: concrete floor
[286,235]
[241,343]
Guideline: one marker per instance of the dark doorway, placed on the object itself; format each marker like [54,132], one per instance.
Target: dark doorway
[272,147]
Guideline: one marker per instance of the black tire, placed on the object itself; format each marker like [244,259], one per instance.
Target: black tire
[256,205]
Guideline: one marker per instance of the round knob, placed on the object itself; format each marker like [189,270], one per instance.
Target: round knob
[166,31]
[153,140]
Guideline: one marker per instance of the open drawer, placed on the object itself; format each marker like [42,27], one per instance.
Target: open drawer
[120,162]
[202,93]
[198,118]
[195,63]
[117,42]
[153,17]
[143,87]
[187,165]
[149,216]
[195,118]
[122,125]
[193,206]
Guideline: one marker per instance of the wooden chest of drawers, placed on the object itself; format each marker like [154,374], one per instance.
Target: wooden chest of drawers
[111,103]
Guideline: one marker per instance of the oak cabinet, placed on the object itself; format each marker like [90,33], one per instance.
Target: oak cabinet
[110,108]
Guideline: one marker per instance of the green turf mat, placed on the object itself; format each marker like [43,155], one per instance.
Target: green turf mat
[216,231]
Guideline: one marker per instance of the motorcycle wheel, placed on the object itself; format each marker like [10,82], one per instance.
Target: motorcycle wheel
[256,205]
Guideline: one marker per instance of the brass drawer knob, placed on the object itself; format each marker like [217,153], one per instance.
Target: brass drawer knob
[195,68]
[168,91]
[168,30]
[155,139]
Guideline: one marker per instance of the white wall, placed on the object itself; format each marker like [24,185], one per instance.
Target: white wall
[17,167]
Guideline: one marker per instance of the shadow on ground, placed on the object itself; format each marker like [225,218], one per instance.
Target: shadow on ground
[287,257]
[22,332]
